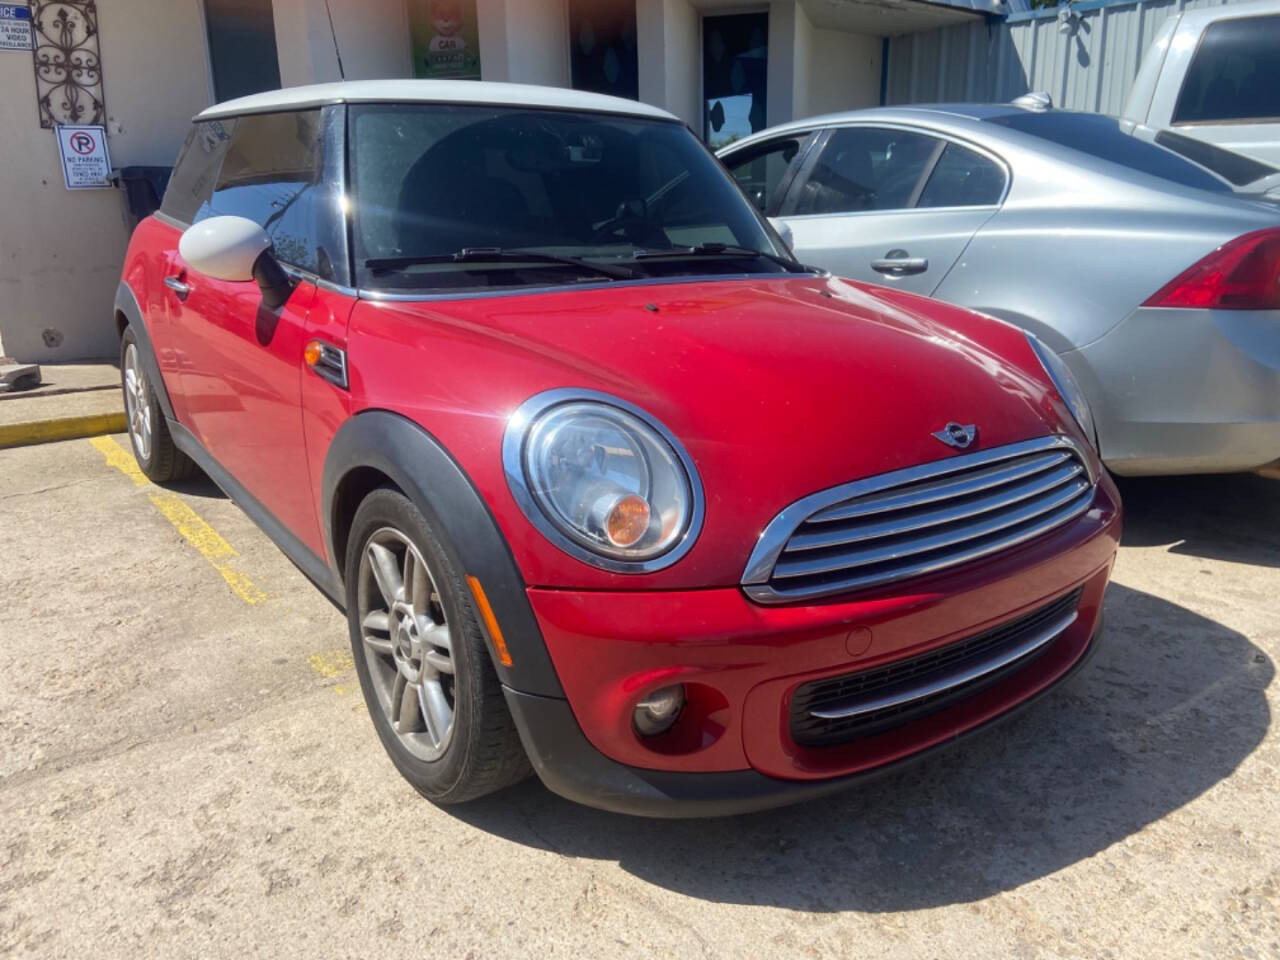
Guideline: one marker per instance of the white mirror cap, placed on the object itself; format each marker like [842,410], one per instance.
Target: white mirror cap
[784,231]
[225,248]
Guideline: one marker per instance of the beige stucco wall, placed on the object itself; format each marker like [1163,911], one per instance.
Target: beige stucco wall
[373,37]
[60,250]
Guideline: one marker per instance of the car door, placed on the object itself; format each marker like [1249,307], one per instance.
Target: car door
[243,360]
[889,204]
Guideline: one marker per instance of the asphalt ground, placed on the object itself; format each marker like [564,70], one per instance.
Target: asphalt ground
[187,770]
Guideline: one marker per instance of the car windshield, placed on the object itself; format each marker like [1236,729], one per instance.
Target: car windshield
[1101,136]
[455,197]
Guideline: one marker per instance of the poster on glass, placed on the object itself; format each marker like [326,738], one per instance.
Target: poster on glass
[446,40]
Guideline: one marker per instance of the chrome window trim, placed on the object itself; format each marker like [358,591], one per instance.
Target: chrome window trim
[773,540]
[513,441]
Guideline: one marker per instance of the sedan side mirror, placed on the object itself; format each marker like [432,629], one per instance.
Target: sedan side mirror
[784,232]
[236,249]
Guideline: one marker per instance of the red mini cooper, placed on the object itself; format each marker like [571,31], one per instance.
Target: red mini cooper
[607,483]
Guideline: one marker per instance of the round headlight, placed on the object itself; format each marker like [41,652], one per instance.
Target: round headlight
[602,479]
[1068,387]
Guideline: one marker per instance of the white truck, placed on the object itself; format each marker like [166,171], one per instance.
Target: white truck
[1213,75]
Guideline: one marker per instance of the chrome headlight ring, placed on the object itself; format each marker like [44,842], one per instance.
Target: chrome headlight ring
[577,460]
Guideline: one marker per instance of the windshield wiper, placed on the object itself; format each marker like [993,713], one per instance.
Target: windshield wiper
[720,250]
[497,255]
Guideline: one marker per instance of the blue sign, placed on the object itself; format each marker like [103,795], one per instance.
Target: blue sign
[15,27]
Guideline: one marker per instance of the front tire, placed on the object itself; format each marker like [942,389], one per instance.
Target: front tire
[153,446]
[425,671]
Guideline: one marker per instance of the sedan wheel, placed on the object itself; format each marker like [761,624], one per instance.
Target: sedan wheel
[408,643]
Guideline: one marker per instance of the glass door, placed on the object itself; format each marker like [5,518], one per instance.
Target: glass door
[735,62]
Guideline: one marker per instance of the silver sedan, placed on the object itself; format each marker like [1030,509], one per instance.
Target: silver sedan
[1157,279]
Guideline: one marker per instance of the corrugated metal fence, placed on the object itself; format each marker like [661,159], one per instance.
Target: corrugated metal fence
[1090,69]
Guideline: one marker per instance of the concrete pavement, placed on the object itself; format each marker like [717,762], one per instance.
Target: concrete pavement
[187,772]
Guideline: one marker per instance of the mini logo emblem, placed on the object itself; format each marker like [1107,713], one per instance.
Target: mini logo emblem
[957,435]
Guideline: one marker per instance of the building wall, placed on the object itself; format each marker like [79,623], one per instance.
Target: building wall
[1090,69]
[525,41]
[61,251]
[373,38]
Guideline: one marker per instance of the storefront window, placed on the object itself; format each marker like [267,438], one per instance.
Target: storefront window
[602,47]
[735,60]
[242,47]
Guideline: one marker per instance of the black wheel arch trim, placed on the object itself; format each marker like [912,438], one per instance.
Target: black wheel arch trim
[127,304]
[425,472]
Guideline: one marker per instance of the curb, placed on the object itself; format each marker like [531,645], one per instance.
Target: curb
[61,428]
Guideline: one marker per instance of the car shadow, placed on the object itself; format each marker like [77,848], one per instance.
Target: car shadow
[197,485]
[1169,706]
[1233,517]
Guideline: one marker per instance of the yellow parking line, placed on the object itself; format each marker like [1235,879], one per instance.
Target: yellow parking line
[186,521]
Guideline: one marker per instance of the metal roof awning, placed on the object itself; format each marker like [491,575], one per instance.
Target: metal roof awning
[886,18]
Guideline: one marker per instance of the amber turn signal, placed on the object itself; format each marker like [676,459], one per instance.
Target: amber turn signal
[490,621]
[312,353]
[627,521]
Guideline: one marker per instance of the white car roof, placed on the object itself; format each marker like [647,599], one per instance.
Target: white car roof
[1200,17]
[432,91]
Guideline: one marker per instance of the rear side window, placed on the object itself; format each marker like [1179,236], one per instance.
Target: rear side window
[1235,73]
[760,170]
[273,174]
[197,170]
[1101,137]
[866,168]
[963,178]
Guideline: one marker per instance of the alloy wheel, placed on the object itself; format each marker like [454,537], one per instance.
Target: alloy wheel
[407,642]
[137,402]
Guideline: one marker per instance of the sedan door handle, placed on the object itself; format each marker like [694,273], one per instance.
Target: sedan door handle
[178,287]
[898,264]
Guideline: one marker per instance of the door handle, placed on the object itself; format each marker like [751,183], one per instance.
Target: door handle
[896,263]
[178,287]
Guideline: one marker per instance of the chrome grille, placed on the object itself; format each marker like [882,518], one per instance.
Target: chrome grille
[844,708]
[920,520]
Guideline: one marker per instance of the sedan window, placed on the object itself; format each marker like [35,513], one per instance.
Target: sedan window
[963,178]
[866,168]
[760,170]
[1101,137]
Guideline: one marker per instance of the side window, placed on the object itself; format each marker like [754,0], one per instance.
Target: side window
[759,170]
[1235,74]
[193,177]
[273,174]
[963,178]
[866,168]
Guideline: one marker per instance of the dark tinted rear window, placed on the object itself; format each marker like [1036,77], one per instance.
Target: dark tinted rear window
[1235,74]
[1101,137]
[1233,166]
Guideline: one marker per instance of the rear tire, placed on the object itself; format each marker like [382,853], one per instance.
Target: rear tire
[424,668]
[153,447]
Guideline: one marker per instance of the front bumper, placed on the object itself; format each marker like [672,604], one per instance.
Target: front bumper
[1185,391]
[570,766]
[740,663]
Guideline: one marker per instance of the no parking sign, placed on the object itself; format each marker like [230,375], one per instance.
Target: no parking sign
[85,163]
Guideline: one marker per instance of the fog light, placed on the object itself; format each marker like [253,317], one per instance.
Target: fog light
[658,711]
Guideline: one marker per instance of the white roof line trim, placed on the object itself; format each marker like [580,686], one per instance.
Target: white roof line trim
[480,93]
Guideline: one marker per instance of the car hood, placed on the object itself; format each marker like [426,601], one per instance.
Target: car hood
[777,386]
